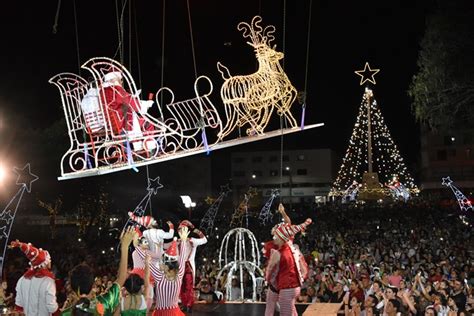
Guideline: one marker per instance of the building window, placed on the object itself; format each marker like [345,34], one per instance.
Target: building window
[274,173]
[300,157]
[257,159]
[239,159]
[286,172]
[301,172]
[441,155]
[469,154]
[239,173]
[286,158]
[273,159]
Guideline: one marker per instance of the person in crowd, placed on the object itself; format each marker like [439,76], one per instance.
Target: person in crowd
[82,282]
[206,294]
[168,276]
[135,302]
[235,290]
[5,298]
[36,289]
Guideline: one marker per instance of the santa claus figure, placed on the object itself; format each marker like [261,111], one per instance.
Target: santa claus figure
[122,109]
[286,270]
[169,276]
[36,289]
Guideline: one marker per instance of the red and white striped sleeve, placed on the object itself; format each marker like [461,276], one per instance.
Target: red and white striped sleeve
[155,272]
[182,258]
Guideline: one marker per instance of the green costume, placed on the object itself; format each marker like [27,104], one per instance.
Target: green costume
[106,302]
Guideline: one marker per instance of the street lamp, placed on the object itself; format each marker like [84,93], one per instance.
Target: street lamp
[188,203]
[2,173]
[254,176]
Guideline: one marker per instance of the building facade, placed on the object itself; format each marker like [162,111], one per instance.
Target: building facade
[449,154]
[306,176]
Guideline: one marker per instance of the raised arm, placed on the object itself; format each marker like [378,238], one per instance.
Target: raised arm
[125,241]
[201,240]
[183,235]
[170,233]
[285,217]
[155,272]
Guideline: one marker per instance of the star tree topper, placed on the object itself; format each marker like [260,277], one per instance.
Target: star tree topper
[367,74]
[25,177]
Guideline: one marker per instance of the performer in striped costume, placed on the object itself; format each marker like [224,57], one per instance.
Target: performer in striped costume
[169,276]
[187,289]
[286,269]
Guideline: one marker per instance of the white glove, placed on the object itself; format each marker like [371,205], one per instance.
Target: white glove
[145,105]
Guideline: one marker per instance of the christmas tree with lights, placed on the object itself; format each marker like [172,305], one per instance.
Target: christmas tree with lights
[372,166]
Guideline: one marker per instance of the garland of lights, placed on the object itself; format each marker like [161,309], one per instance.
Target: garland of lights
[464,203]
[241,211]
[387,160]
[266,215]
[207,222]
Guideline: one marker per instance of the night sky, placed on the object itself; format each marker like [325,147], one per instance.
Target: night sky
[343,37]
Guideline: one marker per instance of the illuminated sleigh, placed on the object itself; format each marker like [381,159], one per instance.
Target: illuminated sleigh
[104,136]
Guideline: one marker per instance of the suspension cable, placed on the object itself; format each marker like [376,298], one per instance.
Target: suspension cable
[192,39]
[77,37]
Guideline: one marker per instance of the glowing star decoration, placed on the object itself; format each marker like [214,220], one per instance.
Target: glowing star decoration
[25,177]
[251,99]
[7,216]
[464,203]
[154,185]
[367,74]
[111,129]
[242,210]
[266,215]
[246,257]
[207,222]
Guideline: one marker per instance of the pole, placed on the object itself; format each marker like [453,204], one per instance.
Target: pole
[368,94]
[291,190]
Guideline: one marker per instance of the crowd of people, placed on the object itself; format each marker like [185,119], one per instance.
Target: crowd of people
[402,259]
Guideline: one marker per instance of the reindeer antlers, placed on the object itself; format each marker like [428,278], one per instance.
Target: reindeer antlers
[256,33]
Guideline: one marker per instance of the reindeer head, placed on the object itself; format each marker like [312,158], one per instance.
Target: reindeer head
[260,38]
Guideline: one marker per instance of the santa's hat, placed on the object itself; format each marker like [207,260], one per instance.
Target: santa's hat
[39,258]
[285,231]
[186,223]
[145,221]
[171,253]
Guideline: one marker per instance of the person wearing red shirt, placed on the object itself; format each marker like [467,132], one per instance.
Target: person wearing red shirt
[287,269]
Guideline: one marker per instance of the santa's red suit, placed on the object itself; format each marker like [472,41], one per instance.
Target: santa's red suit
[122,108]
[36,289]
[286,270]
